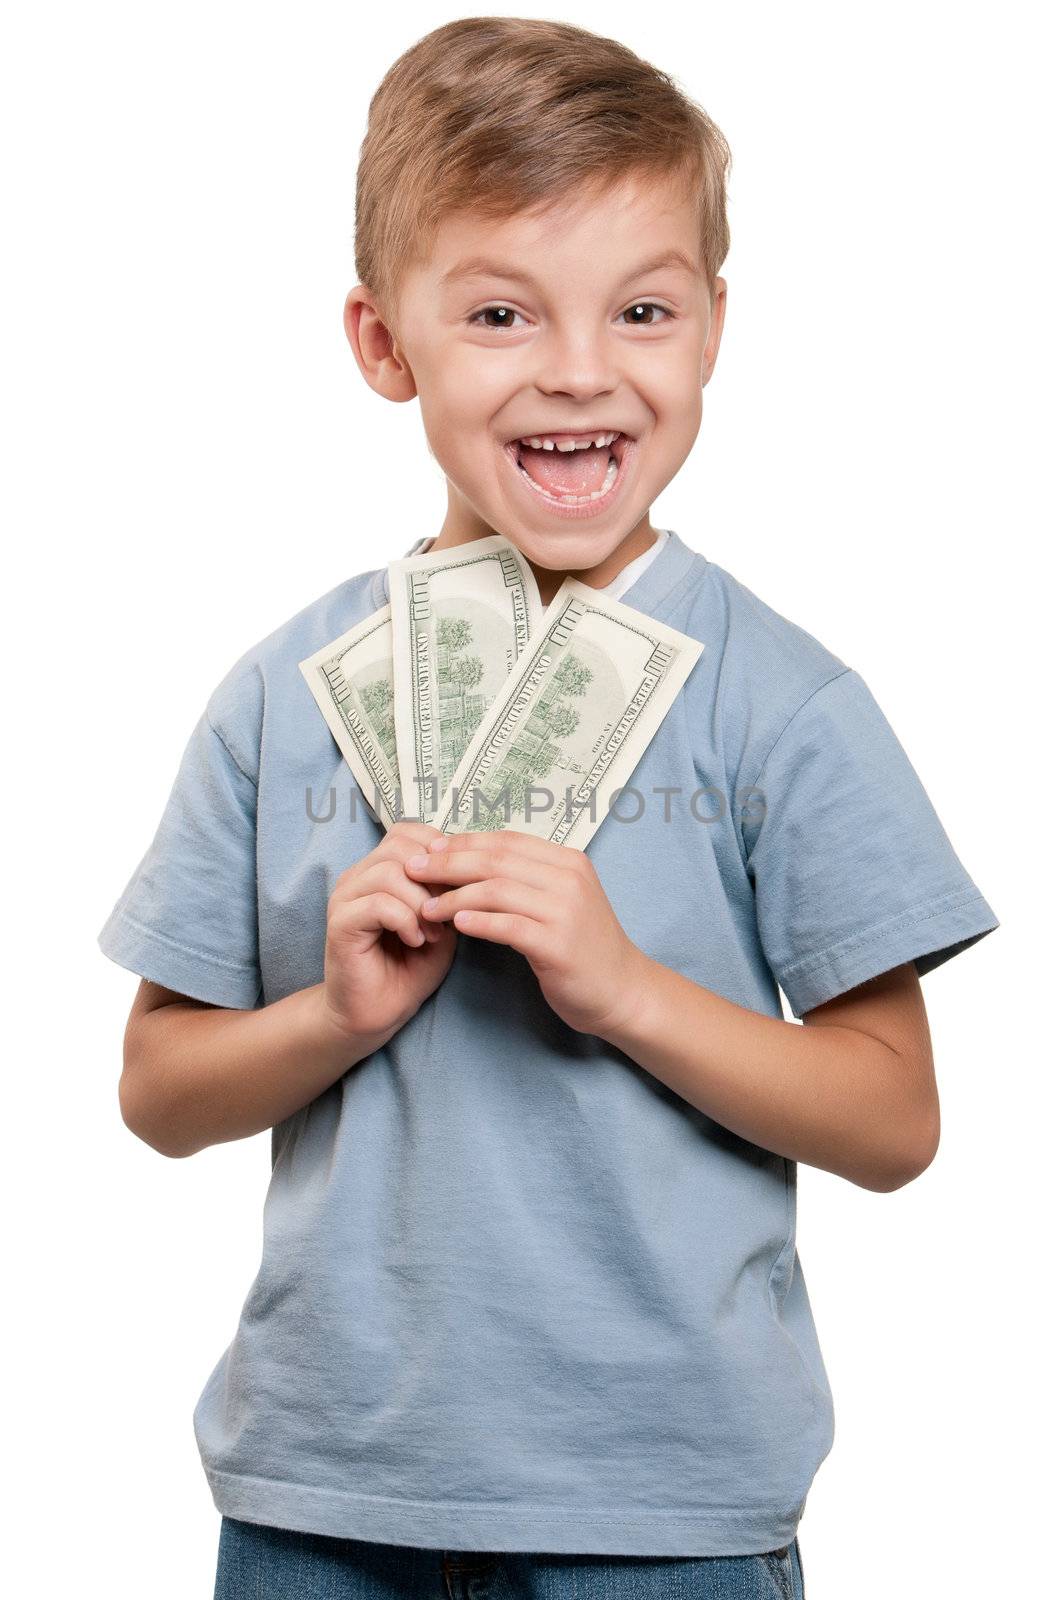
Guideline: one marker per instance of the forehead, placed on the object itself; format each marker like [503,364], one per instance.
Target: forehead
[636,218]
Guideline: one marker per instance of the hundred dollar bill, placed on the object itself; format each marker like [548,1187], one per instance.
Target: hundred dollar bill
[574,717]
[351,680]
[460,619]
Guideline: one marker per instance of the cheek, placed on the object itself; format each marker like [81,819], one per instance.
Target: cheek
[676,380]
[459,409]
[453,387]
[678,402]
[474,382]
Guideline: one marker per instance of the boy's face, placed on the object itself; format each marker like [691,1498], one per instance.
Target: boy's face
[553,326]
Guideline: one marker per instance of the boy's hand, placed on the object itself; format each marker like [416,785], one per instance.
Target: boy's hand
[381,961]
[545,900]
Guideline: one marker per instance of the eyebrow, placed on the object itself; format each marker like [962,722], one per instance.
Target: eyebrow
[484,267]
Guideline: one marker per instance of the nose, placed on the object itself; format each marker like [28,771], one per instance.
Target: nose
[577,362]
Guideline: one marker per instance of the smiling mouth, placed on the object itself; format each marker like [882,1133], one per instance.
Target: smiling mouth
[571,470]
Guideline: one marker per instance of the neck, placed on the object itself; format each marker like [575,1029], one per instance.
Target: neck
[550,579]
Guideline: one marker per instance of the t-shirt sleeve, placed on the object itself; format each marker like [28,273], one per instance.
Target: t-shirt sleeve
[853,872]
[187,919]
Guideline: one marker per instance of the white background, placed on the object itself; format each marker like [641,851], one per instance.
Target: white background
[193,456]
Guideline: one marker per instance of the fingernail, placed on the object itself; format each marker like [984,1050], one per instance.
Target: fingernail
[439,844]
[431,903]
[417,861]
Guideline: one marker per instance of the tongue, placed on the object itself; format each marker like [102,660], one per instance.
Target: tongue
[566,471]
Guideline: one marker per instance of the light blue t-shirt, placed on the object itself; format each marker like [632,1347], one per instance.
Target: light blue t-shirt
[516,1293]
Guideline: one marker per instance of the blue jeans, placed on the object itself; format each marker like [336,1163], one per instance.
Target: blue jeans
[256,1562]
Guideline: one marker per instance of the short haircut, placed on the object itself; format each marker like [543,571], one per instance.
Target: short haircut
[511,115]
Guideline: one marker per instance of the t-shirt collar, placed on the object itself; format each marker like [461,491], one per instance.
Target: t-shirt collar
[651,592]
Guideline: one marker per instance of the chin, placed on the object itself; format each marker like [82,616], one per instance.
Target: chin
[567,550]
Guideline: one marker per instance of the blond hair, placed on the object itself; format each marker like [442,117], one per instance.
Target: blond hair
[508,115]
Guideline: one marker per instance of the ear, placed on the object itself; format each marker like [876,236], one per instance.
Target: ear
[380,361]
[719,308]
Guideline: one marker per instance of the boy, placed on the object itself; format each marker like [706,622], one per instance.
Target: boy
[529,1292]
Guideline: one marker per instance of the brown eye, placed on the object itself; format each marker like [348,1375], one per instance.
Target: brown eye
[644,306]
[492,313]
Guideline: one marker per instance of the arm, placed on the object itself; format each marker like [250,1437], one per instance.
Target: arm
[851,1090]
[196,1074]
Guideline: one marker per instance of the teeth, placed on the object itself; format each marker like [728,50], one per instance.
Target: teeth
[577,499]
[559,442]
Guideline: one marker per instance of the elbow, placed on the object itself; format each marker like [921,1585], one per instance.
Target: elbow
[143,1109]
[140,1123]
[910,1162]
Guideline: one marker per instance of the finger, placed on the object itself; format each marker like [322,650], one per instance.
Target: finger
[528,844]
[416,832]
[385,873]
[396,845]
[494,894]
[350,880]
[503,927]
[470,866]
[371,913]
[400,840]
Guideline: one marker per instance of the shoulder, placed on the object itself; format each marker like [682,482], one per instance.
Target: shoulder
[763,667]
[267,672]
